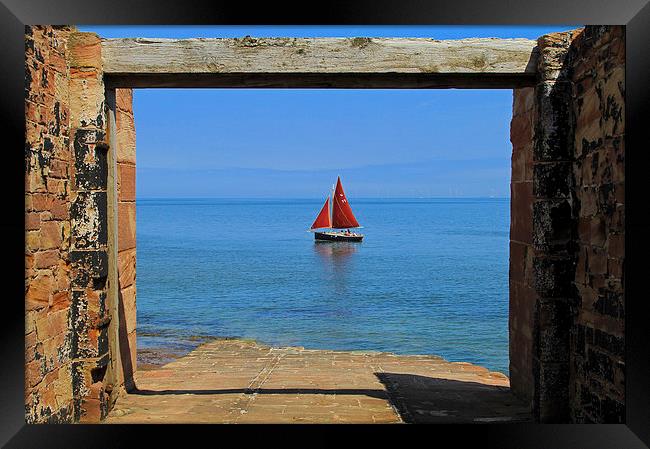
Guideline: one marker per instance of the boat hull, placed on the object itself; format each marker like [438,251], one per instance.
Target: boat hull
[337,237]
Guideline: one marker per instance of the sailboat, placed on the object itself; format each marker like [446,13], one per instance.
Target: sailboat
[340,218]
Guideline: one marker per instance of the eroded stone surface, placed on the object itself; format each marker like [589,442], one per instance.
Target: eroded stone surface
[597,388]
[236,381]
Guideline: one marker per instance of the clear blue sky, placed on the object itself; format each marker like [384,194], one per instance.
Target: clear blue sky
[293,142]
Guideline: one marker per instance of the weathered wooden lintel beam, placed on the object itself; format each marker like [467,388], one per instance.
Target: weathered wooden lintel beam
[319,63]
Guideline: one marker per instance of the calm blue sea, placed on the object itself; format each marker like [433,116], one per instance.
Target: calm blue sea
[430,277]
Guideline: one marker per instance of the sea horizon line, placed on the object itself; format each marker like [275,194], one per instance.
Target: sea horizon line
[321,197]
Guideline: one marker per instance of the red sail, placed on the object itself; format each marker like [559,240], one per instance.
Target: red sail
[342,215]
[323,219]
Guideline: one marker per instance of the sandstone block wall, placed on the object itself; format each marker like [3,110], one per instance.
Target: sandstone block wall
[597,335]
[125,132]
[521,279]
[552,228]
[567,230]
[67,314]
[89,228]
[541,253]
[49,341]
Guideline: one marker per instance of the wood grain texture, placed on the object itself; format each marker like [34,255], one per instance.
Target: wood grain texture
[322,62]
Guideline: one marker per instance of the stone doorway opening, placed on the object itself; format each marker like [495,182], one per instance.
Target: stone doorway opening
[337,80]
[403,370]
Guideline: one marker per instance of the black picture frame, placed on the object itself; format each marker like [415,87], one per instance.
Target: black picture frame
[635,14]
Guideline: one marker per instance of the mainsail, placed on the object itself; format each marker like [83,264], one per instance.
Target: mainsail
[342,216]
[323,219]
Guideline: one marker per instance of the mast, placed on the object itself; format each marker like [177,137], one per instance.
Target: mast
[332,203]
